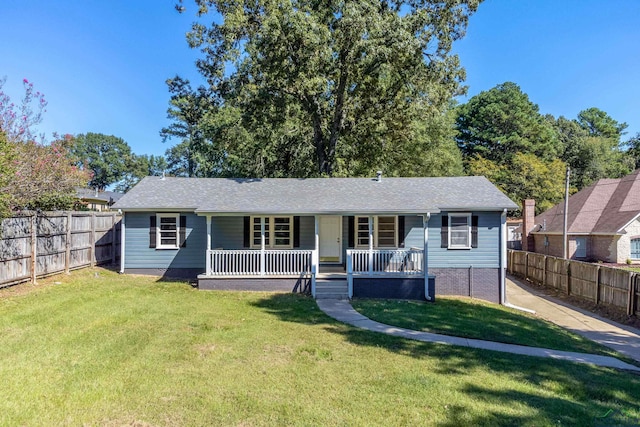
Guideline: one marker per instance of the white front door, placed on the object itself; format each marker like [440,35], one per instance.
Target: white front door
[330,238]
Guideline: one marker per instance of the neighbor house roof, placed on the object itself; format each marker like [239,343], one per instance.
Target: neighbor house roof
[314,195]
[605,207]
[98,196]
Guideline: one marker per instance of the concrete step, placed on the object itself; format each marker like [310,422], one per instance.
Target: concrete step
[332,289]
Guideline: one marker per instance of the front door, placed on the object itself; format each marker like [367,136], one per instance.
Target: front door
[330,239]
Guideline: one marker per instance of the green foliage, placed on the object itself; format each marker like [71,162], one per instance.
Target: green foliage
[525,177]
[322,88]
[7,172]
[501,122]
[139,166]
[633,149]
[591,147]
[106,156]
[598,123]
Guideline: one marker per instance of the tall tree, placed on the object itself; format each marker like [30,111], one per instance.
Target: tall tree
[599,123]
[633,149]
[500,122]
[340,86]
[591,147]
[138,167]
[106,156]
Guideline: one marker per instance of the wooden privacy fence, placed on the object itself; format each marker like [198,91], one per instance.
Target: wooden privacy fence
[599,284]
[35,245]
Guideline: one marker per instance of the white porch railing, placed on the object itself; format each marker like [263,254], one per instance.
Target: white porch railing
[385,261]
[246,262]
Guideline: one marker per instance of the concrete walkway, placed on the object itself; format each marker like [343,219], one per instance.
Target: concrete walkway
[342,311]
[621,338]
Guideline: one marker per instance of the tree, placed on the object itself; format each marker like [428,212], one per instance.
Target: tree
[598,123]
[18,122]
[501,122]
[138,167]
[324,88]
[633,149]
[32,175]
[525,177]
[591,147]
[44,177]
[106,156]
[187,111]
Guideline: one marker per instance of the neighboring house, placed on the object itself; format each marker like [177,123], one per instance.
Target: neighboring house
[367,234]
[98,200]
[602,223]
[514,233]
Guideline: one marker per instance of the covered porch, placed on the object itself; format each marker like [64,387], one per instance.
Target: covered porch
[326,261]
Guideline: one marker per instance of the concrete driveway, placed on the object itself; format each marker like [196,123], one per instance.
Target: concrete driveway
[621,338]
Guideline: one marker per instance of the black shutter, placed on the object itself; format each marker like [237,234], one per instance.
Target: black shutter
[183,232]
[246,243]
[152,231]
[474,231]
[296,231]
[401,231]
[444,232]
[351,231]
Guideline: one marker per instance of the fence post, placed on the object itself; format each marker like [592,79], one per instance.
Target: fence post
[544,270]
[526,266]
[34,249]
[113,238]
[630,308]
[93,239]
[67,246]
[568,277]
[598,275]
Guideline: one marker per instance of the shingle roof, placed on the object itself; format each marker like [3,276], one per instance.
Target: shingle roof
[106,196]
[604,207]
[314,195]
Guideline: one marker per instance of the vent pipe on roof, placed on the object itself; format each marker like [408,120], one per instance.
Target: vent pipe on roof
[162,175]
[379,176]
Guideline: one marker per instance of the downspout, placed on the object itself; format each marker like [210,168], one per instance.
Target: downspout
[425,255]
[503,257]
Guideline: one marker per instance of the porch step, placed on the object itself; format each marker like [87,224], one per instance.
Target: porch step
[332,289]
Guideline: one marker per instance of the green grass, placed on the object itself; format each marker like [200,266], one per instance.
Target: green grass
[480,320]
[121,350]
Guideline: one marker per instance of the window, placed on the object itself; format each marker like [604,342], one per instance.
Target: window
[278,231]
[167,231]
[385,230]
[581,247]
[459,231]
[635,248]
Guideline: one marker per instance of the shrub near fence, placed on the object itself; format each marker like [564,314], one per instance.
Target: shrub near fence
[35,245]
[598,284]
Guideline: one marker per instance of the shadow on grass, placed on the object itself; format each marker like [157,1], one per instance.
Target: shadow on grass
[564,393]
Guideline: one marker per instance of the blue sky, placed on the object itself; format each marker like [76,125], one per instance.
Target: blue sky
[102,65]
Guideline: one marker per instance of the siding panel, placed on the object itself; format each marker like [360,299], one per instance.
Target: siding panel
[139,255]
[486,255]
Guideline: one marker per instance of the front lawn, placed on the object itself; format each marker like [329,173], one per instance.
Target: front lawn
[105,349]
[470,318]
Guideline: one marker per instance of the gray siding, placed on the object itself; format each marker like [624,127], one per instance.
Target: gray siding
[138,254]
[486,255]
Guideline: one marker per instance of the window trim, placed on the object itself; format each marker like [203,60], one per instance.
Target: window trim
[466,215]
[376,242]
[270,222]
[631,240]
[176,217]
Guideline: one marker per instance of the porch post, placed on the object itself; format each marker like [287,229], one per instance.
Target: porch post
[208,261]
[370,245]
[425,255]
[262,243]
[315,267]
